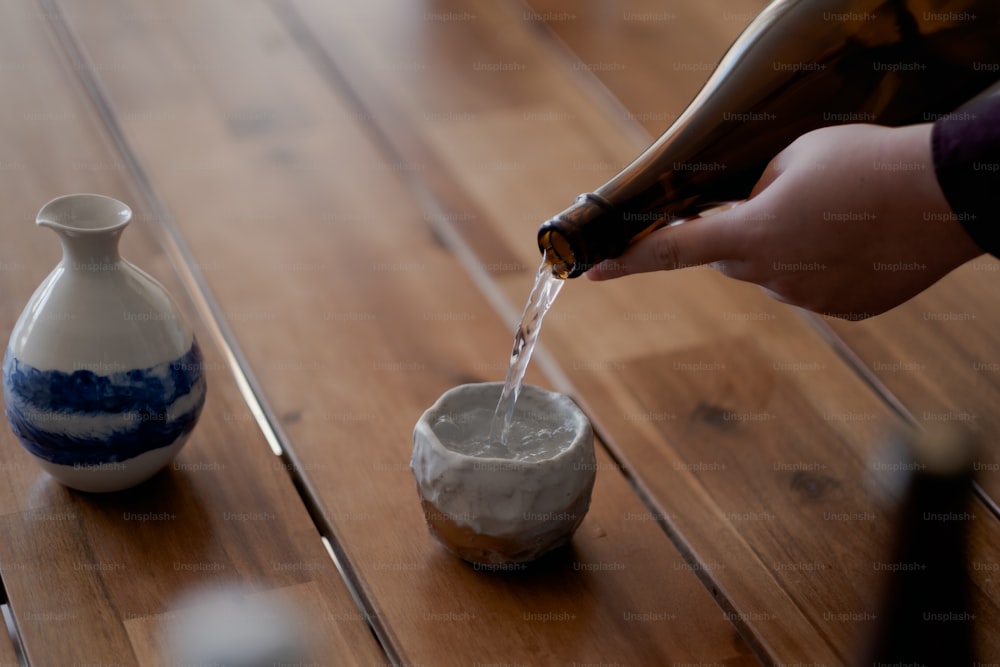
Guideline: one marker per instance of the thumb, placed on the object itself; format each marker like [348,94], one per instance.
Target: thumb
[712,237]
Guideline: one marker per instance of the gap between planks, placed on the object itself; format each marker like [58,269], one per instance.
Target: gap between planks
[858,366]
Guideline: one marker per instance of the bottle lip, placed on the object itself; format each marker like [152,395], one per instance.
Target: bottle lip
[84,214]
[562,266]
[569,260]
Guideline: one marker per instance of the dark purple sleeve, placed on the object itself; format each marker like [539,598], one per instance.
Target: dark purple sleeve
[966,151]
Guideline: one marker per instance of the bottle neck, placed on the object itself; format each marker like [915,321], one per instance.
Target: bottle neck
[89,227]
[90,252]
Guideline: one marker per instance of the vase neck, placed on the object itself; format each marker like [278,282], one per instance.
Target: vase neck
[90,252]
[89,228]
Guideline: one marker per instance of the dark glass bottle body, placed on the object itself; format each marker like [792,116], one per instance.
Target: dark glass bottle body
[926,615]
[800,65]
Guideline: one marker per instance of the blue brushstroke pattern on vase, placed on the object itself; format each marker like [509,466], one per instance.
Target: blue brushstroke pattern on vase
[85,418]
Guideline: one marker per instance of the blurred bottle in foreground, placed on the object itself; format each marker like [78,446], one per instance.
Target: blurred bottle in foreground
[230,626]
[925,616]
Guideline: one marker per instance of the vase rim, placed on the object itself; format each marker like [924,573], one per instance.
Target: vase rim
[84,213]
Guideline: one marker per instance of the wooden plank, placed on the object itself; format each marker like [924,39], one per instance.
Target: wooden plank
[937,355]
[557,136]
[56,594]
[652,56]
[368,320]
[82,570]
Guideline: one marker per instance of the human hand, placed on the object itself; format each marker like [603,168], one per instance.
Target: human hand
[847,221]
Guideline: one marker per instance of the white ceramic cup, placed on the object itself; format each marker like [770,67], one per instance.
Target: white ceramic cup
[495,510]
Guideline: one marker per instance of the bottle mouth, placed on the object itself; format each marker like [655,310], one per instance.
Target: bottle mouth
[570,239]
[84,213]
[558,252]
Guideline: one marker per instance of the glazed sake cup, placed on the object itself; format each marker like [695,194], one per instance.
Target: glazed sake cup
[498,505]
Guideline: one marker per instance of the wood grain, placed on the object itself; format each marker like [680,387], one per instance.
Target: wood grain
[366,318]
[937,355]
[542,126]
[81,571]
[839,505]
[360,183]
[652,56]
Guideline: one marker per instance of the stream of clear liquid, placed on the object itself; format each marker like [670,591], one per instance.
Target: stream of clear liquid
[543,293]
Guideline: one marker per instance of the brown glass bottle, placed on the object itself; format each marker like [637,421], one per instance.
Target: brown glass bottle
[800,65]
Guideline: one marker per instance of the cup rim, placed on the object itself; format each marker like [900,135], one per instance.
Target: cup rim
[582,433]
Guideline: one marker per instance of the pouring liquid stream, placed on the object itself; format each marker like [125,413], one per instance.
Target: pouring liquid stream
[543,294]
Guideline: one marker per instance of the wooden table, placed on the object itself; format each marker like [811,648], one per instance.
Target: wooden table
[343,198]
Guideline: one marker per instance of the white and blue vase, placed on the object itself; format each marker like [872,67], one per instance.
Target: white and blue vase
[103,380]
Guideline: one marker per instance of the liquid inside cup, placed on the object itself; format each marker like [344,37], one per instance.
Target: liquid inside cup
[534,435]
